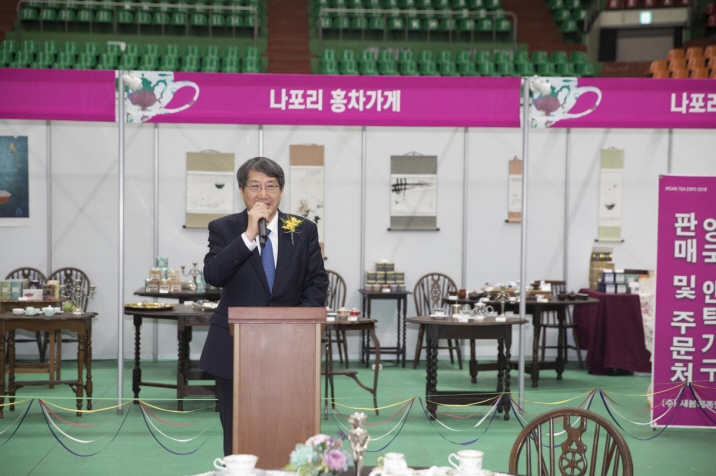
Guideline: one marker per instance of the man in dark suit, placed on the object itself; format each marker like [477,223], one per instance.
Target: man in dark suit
[288,271]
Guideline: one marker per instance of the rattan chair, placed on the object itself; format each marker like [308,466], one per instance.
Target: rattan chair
[429,292]
[35,275]
[550,321]
[336,298]
[570,441]
[70,277]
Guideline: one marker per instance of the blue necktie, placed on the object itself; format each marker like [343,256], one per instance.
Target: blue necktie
[267,261]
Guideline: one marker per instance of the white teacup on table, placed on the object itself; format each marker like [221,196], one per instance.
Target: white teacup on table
[391,464]
[236,465]
[470,462]
[31,311]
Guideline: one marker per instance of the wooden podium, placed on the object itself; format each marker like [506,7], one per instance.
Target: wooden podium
[277,380]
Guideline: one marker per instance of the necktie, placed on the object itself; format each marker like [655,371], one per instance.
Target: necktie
[267,261]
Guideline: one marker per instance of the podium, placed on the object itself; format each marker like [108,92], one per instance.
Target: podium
[277,380]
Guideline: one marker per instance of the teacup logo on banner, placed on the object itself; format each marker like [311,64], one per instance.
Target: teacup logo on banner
[157,91]
[547,109]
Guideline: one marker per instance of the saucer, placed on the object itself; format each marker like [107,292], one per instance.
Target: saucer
[484,472]
[253,472]
[438,316]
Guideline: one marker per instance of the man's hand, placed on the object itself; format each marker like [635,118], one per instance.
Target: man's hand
[258,211]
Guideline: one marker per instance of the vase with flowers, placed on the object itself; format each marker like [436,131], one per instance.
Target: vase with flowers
[320,454]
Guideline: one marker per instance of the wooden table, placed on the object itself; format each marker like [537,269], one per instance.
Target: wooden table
[450,328]
[182,296]
[402,298]
[362,324]
[81,324]
[536,309]
[186,318]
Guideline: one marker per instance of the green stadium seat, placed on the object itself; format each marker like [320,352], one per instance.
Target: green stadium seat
[482,56]
[249,21]
[210,65]
[458,4]
[327,55]
[444,56]
[555,5]
[251,65]
[199,7]
[409,68]
[234,21]
[30,47]
[133,49]
[475,4]
[252,52]
[566,69]
[524,69]
[366,56]
[152,49]
[28,14]
[113,49]
[349,67]
[347,56]
[467,69]
[104,16]
[406,4]
[217,21]
[405,55]
[506,69]
[441,5]
[83,16]
[9,46]
[71,48]
[342,23]
[182,6]
[448,24]
[572,4]
[172,51]
[431,24]
[396,23]
[463,57]
[230,64]
[197,19]
[568,26]
[192,51]
[144,18]
[368,68]
[91,48]
[493,4]
[502,25]
[578,57]
[388,68]
[329,67]
[64,60]
[212,51]
[447,68]
[487,69]
[539,57]
[559,57]
[390,4]
[161,18]
[5,58]
[85,61]
[128,62]
[149,63]
[125,17]
[43,59]
[48,14]
[189,64]
[484,25]
[425,56]
[586,70]
[66,15]
[520,57]
[51,47]
[501,57]
[579,15]
[386,56]
[562,14]
[428,68]
[325,22]
[359,22]
[169,63]
[107,61]
[466,25]
[414,24]
[232,52]
[546,69]
[376,23]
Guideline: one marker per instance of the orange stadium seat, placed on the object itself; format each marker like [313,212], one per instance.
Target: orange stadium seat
[699,73]
[680,73]
[659,65]
[676,53]
[660,74]
[677,64]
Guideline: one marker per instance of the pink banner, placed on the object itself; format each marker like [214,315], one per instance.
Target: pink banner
[626,103]
[324,100]
[685,328]
[57,95]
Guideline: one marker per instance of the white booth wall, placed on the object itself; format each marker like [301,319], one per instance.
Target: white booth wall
[85,215]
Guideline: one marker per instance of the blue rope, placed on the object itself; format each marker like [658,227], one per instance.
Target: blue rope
[160,443]
[18,425]
[642,439]
[468,442]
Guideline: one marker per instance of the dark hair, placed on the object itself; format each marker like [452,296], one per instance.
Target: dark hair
[260,164]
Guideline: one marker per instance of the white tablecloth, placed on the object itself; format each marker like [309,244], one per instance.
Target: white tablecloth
[434,471]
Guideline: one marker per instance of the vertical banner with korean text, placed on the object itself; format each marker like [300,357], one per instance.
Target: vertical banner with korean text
[685,329]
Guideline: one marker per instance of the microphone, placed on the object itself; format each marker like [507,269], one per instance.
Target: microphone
[262,232]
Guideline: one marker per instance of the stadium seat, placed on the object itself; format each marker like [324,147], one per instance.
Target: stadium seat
[555,5]
[107,61]
[546,69]
[447,68]
[230,64]
[566,69]
[192,51]
[524,69]
[467,69]
[51,47]
[520,57]
[9,46]
[577,57]
[233,21]
[562,15]
[232,52]
[585,70]
[539,57]
[444,56]
[28,14]
[405,55]
[428,68]
[86,61]
[388,68]
[212,51]
[568,26]
[699,73]
[48,14]
[482,56]
[30,46]
[560,57]
[250,65]
[487,69]
[210,64]
[501,57]
[64,60]
[677,64]
[655,66]
[329,67]
[91,48]
[368,68]
[71,48]
[409,68]
[506,69]
[169,63]
[679,73]
[103,16]
[125,17]
[349,67]
[44,59]
[251,52]
[149,63]
[128,62]
[189,64]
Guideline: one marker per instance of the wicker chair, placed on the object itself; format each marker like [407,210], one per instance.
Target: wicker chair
[550,321]
[570,441]
[336,298]
[70,277]
[429,292]
[35,275]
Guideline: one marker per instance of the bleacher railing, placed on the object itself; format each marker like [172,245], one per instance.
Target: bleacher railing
[117,6]
[409,14]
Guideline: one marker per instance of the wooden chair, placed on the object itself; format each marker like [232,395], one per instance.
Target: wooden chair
[336,298]
[34,275]
[550,321]
[584,442]
[429,292]
[69,277]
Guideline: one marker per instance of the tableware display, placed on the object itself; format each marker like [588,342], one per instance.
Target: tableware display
[58,310]
[48,311]
[253,472]
[149,306]
[465,311]
[392,464]
[474,296]
[18,311]
[31,311]
[343,312]
[236,465]
[469,462]
[455,309]
[462,293]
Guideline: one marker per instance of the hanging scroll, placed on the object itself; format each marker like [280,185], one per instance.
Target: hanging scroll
[611,195]
[307,185]
[413,192]
[209,187]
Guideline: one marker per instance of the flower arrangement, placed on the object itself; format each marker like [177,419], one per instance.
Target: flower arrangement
[320,454]
[290,225]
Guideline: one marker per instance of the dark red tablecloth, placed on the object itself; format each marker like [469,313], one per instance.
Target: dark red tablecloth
[612,332]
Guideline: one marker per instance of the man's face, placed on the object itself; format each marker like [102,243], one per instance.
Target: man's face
[271,200]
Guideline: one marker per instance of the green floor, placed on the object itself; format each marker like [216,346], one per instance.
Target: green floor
[33,450]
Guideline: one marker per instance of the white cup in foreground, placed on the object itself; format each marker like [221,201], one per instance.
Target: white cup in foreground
[236,464]
[393,463]
[470,461]
[18,311]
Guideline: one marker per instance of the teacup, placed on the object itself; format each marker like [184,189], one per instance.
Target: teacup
[31,311]
[392,463]
[236,464]
[469,461]
[58,310]
[18,311]
[49,311]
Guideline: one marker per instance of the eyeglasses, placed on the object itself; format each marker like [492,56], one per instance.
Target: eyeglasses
[256,187]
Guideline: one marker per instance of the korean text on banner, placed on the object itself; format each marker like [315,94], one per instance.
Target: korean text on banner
[289,99]
[685,329]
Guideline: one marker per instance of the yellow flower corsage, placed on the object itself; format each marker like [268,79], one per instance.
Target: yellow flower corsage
[290,225]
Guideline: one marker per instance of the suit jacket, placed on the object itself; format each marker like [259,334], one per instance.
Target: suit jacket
[300,280]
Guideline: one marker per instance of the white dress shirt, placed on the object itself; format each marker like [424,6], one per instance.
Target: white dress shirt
[272,227]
